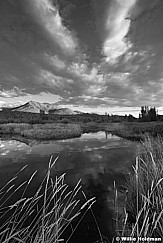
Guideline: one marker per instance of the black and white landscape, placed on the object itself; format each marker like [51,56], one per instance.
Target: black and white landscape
[81,121]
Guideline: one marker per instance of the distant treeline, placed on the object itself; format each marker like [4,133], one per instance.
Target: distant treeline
[35,118]
[148,114]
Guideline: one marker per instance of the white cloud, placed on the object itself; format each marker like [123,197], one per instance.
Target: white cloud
[78,69]
[82,71]
[15,92]
[117,26]
[55,61]
[96,90]
[93,82]
[119,79]
[2,103]
[104,100]
[53,81]
[48,16]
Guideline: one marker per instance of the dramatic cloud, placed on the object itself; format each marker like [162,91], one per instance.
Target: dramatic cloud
[15,92]
[99,55]
[48,17]
[117,26]
[55,61]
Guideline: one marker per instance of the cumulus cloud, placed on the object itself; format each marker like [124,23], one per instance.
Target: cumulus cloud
[89,101]
[53,80]
[40,52]
[54,61]
[48,17]
[93,82]
[15,92]
[82,71]
[117,26]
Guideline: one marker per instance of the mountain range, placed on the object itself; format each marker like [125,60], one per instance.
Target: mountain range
[36,107]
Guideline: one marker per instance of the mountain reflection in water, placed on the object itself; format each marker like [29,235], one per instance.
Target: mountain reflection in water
[96,158]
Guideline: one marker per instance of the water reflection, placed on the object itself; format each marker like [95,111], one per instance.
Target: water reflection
[92,144]
[97,158]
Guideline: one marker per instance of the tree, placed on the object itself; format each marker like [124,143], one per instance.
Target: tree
[148,114]
[152,114]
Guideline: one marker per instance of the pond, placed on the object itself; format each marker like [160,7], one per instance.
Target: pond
[98,159]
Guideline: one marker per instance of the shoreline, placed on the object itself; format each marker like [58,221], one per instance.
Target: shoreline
[137,131]
[54,131]
[59,131]
[49,131]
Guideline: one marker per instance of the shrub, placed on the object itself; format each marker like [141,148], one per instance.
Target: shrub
[65,121]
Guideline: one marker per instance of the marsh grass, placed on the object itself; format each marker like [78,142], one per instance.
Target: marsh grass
[136,130]
[143,212]
[93,127]
[46,215]
[42,131]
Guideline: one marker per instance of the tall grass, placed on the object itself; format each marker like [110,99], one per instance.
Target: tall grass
[46,215]
[143,212]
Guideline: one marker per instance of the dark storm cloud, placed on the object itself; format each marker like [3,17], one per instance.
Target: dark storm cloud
[82,17]
[24,44]
[89,52]
[146,55]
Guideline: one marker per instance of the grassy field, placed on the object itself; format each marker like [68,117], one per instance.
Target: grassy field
[143,212]
[136,131]
[42,131]
[130,130]
[52,130]
[92,127]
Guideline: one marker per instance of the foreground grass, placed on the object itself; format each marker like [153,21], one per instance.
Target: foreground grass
[143,212]
[45,216]
[42,131]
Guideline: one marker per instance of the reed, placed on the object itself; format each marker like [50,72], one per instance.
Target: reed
[143,212]
[46,215]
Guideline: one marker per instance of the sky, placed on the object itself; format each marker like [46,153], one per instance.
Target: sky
[89,55]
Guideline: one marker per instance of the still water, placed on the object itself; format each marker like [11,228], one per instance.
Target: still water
[98,159]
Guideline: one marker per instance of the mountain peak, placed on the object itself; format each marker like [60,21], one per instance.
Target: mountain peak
[36,107]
